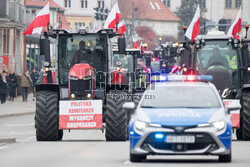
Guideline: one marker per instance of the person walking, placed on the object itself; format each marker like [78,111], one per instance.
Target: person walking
[3,86]
[34,76]
[12,80]
[26,82]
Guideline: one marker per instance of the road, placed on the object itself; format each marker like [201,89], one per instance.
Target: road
[89,148]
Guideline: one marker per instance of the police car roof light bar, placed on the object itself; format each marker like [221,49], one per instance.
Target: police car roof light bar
[173,77]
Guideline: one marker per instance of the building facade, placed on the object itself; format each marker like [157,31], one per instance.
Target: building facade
[12,20]
[81,13]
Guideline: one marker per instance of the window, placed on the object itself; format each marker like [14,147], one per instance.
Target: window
[67,3]
[237,3]
[100,3]
[84,3]
[168,3]
[79,25]
[203,3]
[228,4]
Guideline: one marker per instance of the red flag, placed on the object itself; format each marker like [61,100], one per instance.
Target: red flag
[234,30]
[141,47]
[41,20]
[121,28]
[193,29]
[135,46]
[113,17]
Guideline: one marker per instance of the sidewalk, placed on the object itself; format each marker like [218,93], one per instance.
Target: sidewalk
[18,107]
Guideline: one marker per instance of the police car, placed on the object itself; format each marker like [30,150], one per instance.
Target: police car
[180,118]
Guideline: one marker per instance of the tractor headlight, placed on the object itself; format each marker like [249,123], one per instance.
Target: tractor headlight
[219,125]
[73,96]
[88,95]
[140,125]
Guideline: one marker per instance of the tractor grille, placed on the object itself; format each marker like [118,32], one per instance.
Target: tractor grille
[202,140]
[80,87]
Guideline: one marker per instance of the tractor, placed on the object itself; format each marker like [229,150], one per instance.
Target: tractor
[80,91]
[227,60]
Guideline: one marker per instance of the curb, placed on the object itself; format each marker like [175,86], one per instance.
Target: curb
[16,114]
[8,140]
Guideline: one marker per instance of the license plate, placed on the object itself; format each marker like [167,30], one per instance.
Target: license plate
[180,139]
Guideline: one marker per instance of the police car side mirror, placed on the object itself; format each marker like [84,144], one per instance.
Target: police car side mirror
[129,105]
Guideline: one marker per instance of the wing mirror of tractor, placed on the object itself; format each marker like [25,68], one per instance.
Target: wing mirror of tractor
[129,105]
[148,62]
[233,108]
[121,45]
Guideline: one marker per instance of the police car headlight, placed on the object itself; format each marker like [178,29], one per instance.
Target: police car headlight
[140,125]
[219,125]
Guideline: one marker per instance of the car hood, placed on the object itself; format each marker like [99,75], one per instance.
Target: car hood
[180,117]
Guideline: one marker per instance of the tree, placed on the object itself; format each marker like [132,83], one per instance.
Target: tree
[186,13]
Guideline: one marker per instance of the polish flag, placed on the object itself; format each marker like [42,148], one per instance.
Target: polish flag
[234,30]
[135,46]
[40,21]
[113,17]
[121,28]
[193,29]
[141,47]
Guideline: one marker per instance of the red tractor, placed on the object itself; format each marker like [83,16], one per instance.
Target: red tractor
[79,92]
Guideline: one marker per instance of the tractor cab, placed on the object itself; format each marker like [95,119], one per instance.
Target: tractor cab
[227,60]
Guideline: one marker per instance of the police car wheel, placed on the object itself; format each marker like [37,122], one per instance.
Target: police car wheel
[226,158]
[137,158]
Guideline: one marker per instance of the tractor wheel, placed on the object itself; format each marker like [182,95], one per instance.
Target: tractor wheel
[246,116]
[116,120]
[47,120]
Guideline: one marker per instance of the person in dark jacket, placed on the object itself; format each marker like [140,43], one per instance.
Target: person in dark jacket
[34,76]
[3,86]
[12,80]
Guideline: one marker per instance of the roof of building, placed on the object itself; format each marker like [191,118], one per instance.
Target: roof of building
[147,10]
[42,3]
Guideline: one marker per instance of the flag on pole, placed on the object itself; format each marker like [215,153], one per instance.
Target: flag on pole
[41,20]
[234,30]
[113,17]
[193,29]
[121,28]
[141,47]
[135,46]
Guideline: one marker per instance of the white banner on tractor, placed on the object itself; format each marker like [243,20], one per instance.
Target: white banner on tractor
[235,115]
[80,114]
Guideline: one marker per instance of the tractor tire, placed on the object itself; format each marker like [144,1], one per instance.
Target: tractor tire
[245,116]
[47,119]
[239,134]
[116,120]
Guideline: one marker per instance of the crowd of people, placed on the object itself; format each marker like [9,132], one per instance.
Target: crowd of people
[9,83]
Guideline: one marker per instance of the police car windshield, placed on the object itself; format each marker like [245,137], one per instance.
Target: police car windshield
[180,97]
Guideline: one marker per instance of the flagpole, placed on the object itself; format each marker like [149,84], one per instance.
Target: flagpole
[133,21]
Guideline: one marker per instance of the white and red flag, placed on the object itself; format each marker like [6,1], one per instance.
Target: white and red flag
[41,20]
[113,17]
[121,28]
[135,46]
[193,29]
[234,30]
[141,48]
